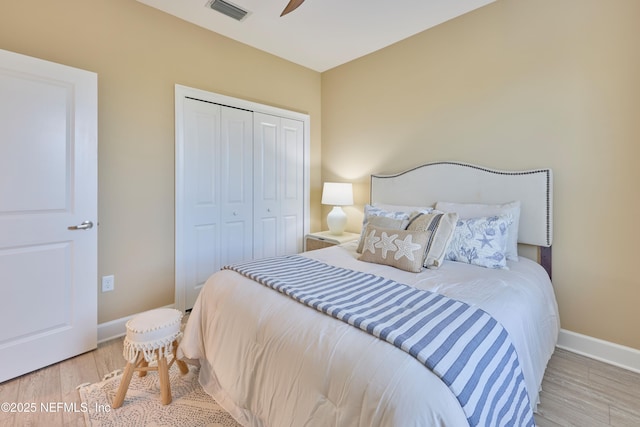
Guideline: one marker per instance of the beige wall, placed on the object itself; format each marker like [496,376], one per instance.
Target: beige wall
[515,85]
[139,54]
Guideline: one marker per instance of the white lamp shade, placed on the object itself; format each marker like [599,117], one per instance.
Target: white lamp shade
[337,194]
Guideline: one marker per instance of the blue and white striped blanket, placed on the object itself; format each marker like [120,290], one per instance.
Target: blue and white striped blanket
[464,346]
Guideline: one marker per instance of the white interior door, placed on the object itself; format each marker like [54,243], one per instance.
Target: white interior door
[48,208]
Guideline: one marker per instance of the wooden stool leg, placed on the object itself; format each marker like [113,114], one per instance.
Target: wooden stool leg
[163,375]
[143,364]
[124,383]
[183,366]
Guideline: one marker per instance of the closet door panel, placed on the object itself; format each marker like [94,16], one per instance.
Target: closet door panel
[292,182]
[205,253]
[233,247]
[236,177]
[201,195]
[268,238]
[291,234]
[266,161]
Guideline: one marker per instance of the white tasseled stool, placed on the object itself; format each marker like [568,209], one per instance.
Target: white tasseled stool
[152,335]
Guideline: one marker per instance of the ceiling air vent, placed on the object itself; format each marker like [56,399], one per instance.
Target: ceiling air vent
[229,9]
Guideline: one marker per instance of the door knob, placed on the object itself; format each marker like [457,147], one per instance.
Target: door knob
[84,226]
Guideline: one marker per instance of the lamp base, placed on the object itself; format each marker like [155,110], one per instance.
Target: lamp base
[337,221]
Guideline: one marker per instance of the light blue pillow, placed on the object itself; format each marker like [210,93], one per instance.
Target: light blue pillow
[370,211]
[481,241]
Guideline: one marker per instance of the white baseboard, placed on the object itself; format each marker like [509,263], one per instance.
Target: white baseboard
[116,328]
[604,351]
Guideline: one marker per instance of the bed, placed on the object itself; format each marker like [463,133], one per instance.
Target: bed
[270,360]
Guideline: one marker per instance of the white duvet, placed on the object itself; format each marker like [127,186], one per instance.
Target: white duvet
[271,361]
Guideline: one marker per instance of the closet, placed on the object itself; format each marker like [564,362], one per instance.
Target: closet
[241,185]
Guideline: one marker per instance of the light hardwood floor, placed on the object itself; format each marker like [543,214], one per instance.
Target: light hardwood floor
[57,383]
[577,391]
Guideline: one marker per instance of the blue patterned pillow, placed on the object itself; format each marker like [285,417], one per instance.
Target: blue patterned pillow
[481,241]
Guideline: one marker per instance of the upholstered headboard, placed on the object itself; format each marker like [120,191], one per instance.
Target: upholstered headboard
[465,183]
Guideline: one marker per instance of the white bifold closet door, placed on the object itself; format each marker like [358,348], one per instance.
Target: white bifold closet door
[218,179]
[242,190]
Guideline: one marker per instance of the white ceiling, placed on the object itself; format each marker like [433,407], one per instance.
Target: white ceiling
[321,34]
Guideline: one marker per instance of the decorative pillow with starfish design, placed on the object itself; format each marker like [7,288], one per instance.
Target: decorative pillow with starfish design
[481,241]
[398,248]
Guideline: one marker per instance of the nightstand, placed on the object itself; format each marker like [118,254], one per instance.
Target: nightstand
[324,239]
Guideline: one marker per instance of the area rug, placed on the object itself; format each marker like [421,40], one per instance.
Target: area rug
[190,406]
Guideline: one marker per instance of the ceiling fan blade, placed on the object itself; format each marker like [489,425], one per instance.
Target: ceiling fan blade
[293,5]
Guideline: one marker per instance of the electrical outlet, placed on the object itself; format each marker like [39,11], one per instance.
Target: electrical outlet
[108,283]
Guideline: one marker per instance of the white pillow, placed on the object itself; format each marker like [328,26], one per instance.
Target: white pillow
[474,210]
